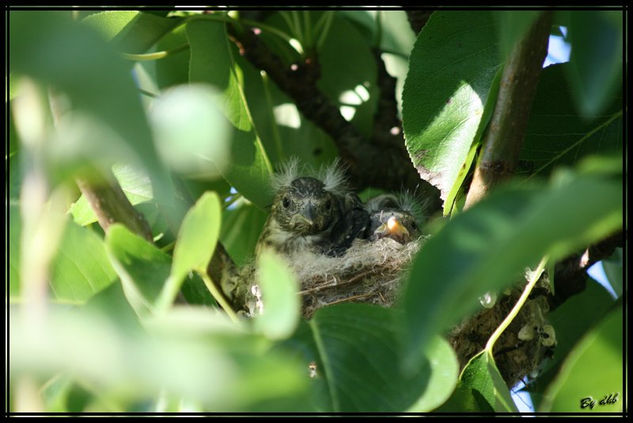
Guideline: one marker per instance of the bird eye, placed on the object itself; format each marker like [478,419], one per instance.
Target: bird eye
[285,202]
[414,225]
[328,204]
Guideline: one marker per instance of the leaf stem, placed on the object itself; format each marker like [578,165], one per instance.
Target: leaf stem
[154,56]
[517,307]
[217,295]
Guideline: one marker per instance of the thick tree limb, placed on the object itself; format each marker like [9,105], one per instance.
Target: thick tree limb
[504,137]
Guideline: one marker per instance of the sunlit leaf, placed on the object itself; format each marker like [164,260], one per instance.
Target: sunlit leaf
[196,242]
[81,267]
[249,170]
[198,235]
[444,375]
[74,59]
[280,314]
[141,266]
[481,375]
[135,365]
[191,134]
[452,66]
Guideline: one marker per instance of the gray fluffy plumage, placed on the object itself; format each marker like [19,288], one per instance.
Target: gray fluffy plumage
[312,211]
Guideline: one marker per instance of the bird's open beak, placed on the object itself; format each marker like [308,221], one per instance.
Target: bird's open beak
[394,229]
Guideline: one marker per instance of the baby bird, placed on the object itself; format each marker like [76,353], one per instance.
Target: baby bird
[395,217]
[312,213]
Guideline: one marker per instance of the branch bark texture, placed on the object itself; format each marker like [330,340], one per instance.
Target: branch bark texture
[503,140]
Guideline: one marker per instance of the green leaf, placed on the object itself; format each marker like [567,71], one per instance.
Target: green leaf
[135,184]
[198,359]
[592,371]
[355,354]
[212,62]
[131,31]
[451,71]
[198,235]
[488,246]
[53,49]
[191,134]
[240,231]
[144,31]
[481,375]
[451,204]
[557,134]
[278,285]
[595,70]
[280,124]
[173,69]
[613,268]
[444,375]
[81,267]
[15,230]
[196,242]
[110,23]
[571,320]
[142,267]
[348,74]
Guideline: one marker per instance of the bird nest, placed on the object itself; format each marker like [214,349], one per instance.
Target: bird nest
[372,271]
[369,272]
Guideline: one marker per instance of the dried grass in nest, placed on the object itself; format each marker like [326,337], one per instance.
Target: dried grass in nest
[369,272]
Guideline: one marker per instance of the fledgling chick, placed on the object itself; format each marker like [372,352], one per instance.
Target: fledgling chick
[394,217]
[316,213]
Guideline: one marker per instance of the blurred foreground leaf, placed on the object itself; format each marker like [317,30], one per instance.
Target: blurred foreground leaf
[142,267]
[189,358]
[281,303]
[212,62]
[196,242]
[594,368]
[352,352]
[488,247]
[595,70]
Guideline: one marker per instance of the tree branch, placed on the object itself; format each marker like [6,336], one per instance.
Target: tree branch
[570,274]
[505,134]
[383,165]
[111,206]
